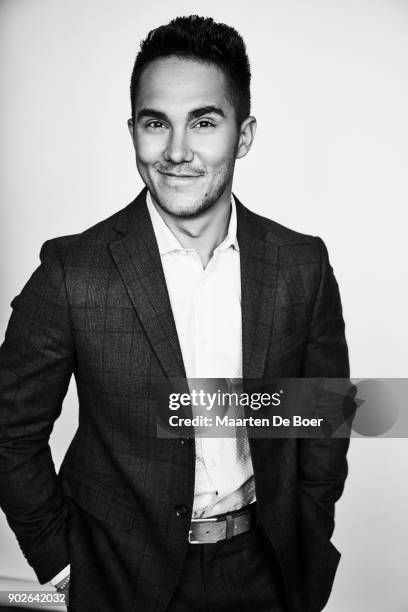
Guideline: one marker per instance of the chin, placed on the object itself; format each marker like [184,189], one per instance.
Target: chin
[180,206]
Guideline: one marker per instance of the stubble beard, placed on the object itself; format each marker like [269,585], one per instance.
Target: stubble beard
[204,203]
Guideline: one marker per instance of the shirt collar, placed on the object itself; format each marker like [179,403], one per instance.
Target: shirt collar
[168,242]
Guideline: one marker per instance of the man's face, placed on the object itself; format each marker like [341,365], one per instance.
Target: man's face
[185,134]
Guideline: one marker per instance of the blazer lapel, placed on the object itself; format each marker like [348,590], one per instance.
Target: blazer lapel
[138,261]
[259,274]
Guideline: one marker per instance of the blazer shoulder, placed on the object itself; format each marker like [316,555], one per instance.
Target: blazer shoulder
[281,234]
[91,239]
[295,247]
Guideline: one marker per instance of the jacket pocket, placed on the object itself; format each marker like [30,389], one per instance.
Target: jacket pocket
[100,503]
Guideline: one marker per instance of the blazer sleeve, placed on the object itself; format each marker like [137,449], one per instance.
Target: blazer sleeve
[322,461]
[36,362]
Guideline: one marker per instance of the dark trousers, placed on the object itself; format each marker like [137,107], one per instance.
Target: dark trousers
[239,574]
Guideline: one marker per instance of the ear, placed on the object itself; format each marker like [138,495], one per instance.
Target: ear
[130,127]
[246,136]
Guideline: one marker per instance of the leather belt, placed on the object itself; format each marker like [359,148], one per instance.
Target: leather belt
[222,527]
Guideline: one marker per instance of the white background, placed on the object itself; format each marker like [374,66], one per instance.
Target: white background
[330,92]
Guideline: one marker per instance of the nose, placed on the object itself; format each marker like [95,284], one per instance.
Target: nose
[177,149]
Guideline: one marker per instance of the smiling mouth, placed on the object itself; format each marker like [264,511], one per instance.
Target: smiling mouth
[180,176]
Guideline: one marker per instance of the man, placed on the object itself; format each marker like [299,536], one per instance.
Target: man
[183,282]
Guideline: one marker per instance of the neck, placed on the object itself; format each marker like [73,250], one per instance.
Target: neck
[204,232]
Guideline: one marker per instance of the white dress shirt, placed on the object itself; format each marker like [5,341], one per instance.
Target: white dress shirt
[206,305]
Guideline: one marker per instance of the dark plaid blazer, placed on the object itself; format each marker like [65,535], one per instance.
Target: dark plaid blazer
[120,507]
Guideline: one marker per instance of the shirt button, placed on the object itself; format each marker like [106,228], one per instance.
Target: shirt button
[184,442]
[181,511]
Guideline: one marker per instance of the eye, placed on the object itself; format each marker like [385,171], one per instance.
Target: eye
[155,125]
[204,123]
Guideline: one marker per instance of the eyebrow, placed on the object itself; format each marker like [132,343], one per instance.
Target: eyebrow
[193,114]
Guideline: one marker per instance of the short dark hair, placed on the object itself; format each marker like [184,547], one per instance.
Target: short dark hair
[204,40]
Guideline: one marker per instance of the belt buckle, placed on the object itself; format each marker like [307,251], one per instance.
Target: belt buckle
[202,520]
